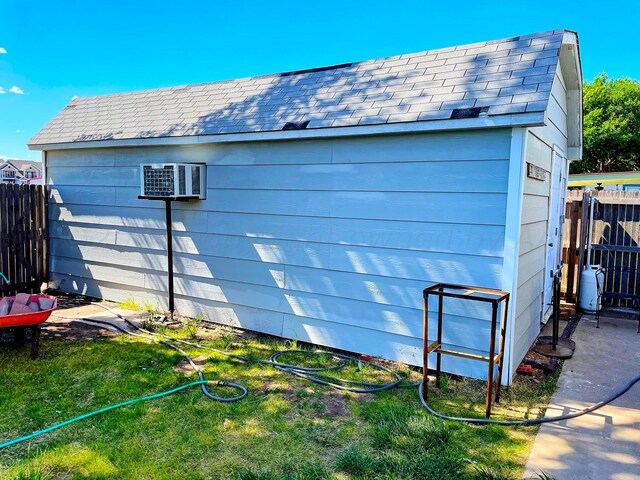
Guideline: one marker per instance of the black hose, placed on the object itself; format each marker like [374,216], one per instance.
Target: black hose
[312,374]
[535,421]
[315,375]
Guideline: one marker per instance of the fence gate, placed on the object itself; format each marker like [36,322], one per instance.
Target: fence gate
[615,241]
[23,238]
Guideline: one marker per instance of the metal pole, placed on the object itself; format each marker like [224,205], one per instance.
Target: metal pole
[590,237]
[556,311]
[503,336]
[438,354]
[169,257]
[425,347]
[492,353]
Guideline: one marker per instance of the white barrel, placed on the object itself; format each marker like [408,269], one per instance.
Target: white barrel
[591,279]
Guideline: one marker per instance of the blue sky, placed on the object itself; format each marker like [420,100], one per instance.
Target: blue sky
[56,50]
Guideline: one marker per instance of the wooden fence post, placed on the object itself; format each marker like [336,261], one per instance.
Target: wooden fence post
[585,232]
[571,259]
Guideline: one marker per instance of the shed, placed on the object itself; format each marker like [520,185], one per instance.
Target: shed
[334,195]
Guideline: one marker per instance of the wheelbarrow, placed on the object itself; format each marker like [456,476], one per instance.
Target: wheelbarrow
[19,324]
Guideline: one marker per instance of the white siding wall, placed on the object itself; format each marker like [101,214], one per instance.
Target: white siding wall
[327,241]
[534,221]
[533,241]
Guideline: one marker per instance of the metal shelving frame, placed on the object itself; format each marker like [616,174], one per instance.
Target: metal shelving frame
[478,294]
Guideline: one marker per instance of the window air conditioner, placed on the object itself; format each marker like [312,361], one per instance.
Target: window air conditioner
[173,180]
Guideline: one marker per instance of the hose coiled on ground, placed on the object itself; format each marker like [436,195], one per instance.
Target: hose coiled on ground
[309,373]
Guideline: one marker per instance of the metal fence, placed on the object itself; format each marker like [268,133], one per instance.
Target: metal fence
[23,238]
[613,226]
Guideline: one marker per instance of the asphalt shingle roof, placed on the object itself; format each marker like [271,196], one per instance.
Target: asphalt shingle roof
[20,165]
[506,76]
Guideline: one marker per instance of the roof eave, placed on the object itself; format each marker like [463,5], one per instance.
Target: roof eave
[528,119]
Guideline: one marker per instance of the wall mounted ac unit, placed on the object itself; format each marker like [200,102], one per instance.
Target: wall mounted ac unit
[181,181]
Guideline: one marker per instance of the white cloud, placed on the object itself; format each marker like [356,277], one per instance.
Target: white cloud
[18,131]
[2,50]
[2,90]
[16,90]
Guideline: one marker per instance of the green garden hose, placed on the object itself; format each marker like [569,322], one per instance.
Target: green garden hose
[98,412]
[312,374]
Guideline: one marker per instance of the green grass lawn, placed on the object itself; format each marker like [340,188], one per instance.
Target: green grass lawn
[287,428]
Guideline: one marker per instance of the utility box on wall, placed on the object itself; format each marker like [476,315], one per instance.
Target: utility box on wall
[173,180]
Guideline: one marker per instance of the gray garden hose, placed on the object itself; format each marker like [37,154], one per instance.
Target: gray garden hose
[312,374]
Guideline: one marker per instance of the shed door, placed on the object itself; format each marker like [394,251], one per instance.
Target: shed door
[557,207]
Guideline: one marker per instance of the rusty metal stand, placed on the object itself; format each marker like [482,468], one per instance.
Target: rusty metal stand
[487,295]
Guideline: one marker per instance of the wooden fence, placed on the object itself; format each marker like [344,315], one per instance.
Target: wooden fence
[23,238]
[615,241]
[573,243]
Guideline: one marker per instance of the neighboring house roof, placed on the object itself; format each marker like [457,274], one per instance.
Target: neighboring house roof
[21,166]
[612,178]
[497,78]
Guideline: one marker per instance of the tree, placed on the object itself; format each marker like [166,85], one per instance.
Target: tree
[611,126]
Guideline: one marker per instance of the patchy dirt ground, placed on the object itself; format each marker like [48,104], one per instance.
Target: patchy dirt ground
[335,404]
[72,330]
[184,367]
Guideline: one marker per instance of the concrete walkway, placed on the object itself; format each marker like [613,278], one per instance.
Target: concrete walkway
[604,444]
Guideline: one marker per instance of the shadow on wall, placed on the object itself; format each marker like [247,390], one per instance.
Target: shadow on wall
[359,297]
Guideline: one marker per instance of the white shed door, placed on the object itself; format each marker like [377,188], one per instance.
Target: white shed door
[556,220]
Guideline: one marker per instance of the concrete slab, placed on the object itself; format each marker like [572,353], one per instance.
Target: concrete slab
[604,444]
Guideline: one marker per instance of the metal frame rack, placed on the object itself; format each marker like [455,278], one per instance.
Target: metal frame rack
[478,294]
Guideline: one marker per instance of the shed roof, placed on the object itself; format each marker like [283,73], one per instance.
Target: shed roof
[496,78]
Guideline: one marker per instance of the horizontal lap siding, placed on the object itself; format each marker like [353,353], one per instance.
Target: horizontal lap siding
[326,241]
[533,240]
[534,221]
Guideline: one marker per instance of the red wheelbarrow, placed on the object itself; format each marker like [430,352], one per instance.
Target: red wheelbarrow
[28,322]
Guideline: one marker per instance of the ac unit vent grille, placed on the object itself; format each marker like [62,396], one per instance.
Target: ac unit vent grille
[182,181]
[158,182]
[195,180]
